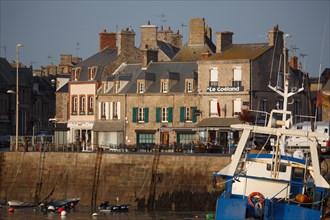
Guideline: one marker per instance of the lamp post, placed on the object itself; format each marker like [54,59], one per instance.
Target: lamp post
[17,100]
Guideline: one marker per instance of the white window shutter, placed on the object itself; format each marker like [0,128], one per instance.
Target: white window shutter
[237,105]
[118,110]
[111,110]
[107,110]
[213,107]
[238,74]
[100,110]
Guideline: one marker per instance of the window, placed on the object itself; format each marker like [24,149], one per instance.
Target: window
[145,138]
[103,110]
[141,87]
[74,105]
[213,76]
[279,104]
[164,114]
[140,114]
[263,105]
[117,86]
[82,105]
[297,107]
[164,86]
[213,108]
[90,105]
[187,114]
[189,86]
[282,167]
[115,110]
[237,81]
[91,73]
[75,74]
[237,106]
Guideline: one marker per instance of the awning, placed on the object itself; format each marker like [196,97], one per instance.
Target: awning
[111,126]
[218,122]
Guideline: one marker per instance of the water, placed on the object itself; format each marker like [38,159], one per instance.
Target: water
[80,213]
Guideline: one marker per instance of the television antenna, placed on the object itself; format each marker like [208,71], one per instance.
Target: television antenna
[303,55]
[182,26]
[163,18]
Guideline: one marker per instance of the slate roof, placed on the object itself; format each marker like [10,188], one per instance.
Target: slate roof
[7,72]
[64,89]
[168,49]
[99,59]
[242,51]
[193,53]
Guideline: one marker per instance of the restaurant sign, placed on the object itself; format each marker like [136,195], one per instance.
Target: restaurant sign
[224,89]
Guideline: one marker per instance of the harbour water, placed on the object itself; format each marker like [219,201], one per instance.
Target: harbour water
[81,213]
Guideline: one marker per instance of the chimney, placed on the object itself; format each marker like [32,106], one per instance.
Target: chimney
[177,40]
[294,62]
[126,41]
[161,34]
[107,40]
[275,36]
[149,56]
[196,31]
[208,32]
[169,35]
[148,37]
[223,41]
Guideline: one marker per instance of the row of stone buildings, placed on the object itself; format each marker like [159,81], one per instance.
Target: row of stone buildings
[164,92]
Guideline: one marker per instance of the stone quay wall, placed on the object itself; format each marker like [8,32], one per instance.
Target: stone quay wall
[150,180]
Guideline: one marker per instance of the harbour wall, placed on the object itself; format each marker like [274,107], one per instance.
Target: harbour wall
[150,180]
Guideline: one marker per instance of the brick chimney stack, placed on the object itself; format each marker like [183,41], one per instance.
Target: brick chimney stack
[223,40]
[294,62]
[107,40]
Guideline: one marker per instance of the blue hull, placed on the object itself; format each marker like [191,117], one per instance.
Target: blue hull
[238,208]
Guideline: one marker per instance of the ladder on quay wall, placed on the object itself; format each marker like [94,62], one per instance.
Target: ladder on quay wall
[154,180]
[97,169]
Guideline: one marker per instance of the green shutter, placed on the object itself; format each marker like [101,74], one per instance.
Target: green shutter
[170,114]
[158,114]
[134,116]
[194,118]
[182,114]
[146,115]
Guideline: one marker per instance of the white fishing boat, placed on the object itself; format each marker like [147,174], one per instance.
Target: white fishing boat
[274,184]
[21,204]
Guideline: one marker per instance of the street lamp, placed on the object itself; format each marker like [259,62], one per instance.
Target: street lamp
[17,100]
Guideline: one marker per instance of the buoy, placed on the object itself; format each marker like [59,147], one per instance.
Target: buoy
[60,209]
[63,213]
[95,214]
[51,208]
[209,216]
[11,209]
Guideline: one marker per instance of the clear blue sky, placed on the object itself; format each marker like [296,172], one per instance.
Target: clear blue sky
[49,28]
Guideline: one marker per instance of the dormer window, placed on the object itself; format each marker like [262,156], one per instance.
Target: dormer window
[75,74]
[141,87]
[189,86]
[91,73]
[116,86]
[164,87]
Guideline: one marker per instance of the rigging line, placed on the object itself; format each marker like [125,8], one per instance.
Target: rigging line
[321,57]
[271,67]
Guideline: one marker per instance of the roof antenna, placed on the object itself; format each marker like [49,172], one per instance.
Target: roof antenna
[77,48]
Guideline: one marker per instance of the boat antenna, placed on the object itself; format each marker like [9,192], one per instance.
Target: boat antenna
[321,58]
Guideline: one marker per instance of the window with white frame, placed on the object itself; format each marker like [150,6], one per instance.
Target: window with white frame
[237,106]
[115,110]
[237,76]
[117,86]
[213,107]
[140,114]
[141,87]
[91,73]
[104,110]
[74,105]
[75,74]
[164,114]
[188,114]
[90,104]
[189,86]
[164,86]
[214,74]
[82,105]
